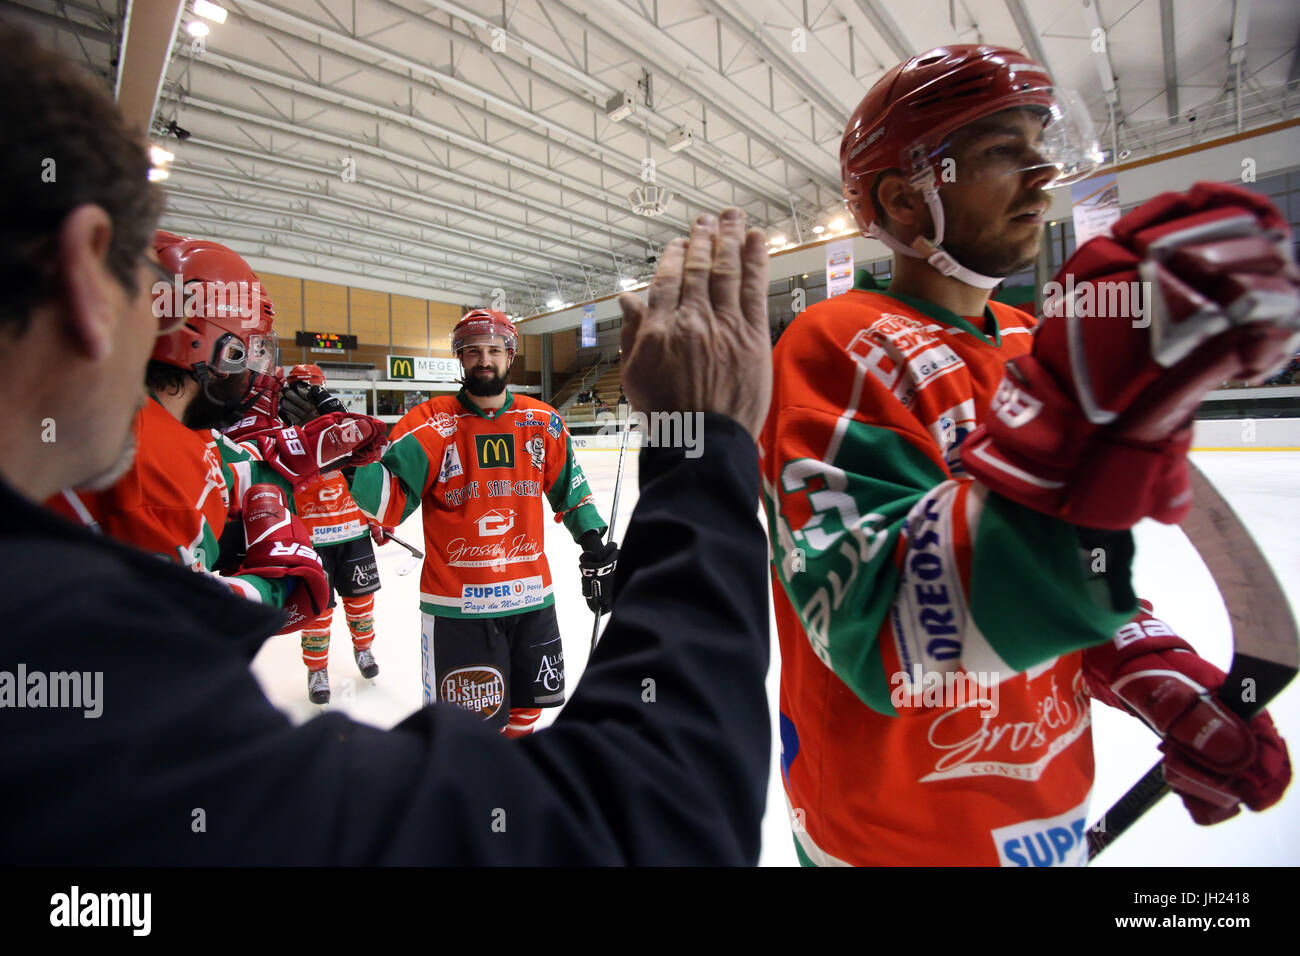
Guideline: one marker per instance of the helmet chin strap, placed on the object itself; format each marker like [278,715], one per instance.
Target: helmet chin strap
[930,249]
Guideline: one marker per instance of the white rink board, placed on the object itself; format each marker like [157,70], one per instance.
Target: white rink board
[1263,486]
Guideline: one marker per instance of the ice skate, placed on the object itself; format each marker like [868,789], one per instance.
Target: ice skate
[318,686]
[365,662]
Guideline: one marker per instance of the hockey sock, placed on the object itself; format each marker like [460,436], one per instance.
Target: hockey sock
[360,613]
[316,641]
[521,721]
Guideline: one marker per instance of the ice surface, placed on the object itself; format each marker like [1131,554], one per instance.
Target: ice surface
[1264,487]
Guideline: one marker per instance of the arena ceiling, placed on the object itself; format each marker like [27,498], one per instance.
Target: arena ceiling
[461,147]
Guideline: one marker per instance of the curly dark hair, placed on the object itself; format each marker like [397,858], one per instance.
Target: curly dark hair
[66,145]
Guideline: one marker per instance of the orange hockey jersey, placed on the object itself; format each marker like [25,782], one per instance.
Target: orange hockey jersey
[933,709]
[479,477]
[327,509]
[175,499]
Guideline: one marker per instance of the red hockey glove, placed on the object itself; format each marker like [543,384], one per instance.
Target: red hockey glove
[379,534]
[331,441]
[1213,759]
[264,413]
[1094,425]
[279,546]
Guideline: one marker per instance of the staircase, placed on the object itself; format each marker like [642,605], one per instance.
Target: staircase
[605,385]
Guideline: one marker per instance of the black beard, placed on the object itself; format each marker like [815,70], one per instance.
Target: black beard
[484,387]
[217,401]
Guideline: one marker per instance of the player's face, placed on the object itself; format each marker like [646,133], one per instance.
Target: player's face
[484,365]
[995,208]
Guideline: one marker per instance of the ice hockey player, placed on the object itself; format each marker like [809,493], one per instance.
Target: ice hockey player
[187,481]
[341,535]
[479,463]
[939,477]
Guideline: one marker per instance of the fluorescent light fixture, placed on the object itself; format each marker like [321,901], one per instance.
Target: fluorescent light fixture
[554,304]
[197,28]
[818,230]
[157,175]
[159,156]
[626,283]
[679,139]
[837,225]
[777,241]
[210,11]
[620,106]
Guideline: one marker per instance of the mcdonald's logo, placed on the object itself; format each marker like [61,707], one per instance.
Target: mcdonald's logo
[401,366]
[495,451]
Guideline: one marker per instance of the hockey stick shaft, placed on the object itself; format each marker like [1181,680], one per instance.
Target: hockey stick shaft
[613,514]
[1266,645]
[396,540]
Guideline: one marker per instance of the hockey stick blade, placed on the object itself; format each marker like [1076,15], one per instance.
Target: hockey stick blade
[1265,643]
[414,551]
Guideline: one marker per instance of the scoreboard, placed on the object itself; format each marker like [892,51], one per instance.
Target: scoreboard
[325,341]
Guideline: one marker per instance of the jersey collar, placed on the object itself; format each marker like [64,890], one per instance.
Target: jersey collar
[463,397]
[863,281]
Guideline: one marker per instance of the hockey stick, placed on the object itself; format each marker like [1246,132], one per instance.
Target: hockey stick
[613,514]
[416,556]
[1266,646]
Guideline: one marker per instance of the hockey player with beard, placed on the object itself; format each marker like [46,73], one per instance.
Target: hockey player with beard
[187,480]
[938,475]
[478,462]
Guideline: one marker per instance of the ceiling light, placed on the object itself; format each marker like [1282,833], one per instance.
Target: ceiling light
[157,175]
[626,283]
[650,200]
[620,106]
[777,241]
[679,139]
[837,225]
[818,230]
[197,28]
[210,11]
[554,304]
[159,156]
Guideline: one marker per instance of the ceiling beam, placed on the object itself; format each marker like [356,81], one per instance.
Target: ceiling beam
[174,188]
[303,89]
[753,33]
[148,32]
[888,29]
[1029,33]
[1171,62]
[575,143]
[703,154]
[717,91]
[419,167]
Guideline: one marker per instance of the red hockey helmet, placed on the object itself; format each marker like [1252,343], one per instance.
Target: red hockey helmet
[311,374]
[481,323]
[905,119]
[228,315]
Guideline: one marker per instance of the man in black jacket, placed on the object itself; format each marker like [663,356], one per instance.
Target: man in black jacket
[133,731]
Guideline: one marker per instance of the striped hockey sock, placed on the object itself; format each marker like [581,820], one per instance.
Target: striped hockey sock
[360,613]
[521,721]
[316,641]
